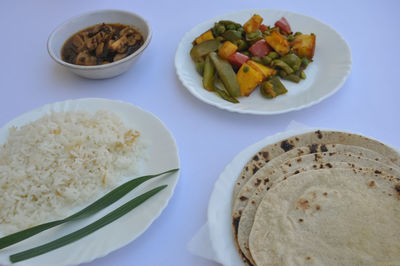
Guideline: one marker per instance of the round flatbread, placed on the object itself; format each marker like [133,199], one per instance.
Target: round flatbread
[259,180]
[292,167]
[329,217]
[309,139]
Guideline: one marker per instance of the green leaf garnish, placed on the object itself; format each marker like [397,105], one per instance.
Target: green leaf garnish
[98,205]
[72,237]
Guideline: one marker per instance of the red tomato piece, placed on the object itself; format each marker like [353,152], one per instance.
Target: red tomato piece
[237,59]
[263,27]
[260,48]
[283,25]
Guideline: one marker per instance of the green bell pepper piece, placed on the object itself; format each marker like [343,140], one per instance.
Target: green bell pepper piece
[226,74]
[203,48]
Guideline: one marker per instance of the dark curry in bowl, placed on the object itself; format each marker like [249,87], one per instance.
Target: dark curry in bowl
[101,44]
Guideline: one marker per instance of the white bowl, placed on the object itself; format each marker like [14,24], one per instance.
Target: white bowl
[58,37]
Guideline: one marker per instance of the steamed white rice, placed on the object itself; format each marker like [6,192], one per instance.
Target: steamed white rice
[61,161]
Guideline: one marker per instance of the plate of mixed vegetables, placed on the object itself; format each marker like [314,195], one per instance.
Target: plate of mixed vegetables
[262,61]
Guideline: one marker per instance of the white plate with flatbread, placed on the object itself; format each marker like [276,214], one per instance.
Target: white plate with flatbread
[220,219]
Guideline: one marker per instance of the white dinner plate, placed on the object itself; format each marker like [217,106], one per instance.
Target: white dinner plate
[219,211]
[163,155]
[331,66]
[220,203]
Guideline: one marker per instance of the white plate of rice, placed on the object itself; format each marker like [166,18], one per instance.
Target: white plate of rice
[107,141]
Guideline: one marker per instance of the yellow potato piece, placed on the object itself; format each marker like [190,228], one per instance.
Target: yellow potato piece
[227,49]
[264,70]
[248,79]
[204,37]
[278,42]
[253,23]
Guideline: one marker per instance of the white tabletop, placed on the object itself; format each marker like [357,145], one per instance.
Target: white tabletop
[207,137]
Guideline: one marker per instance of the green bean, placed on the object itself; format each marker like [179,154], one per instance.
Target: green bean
[283,65]
[290,37]
[282,74]
[303,75]
[229,22]
[266,33]
[279,88]
[267,90]
[292,60]
[203,48]
[220,39]
[276,29]
[222,92]
[232,35]
[226,74]
[252,37]
[305,61]
[293,78]
[272,87]
[200,66]
[208,74]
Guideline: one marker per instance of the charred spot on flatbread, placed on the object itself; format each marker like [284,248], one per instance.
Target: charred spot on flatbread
[397,189]
[317,157]
[255,169]
[235,223]
[303,204]
[286,146]
[243,198]
[323,148]
[319,134]
[313,148]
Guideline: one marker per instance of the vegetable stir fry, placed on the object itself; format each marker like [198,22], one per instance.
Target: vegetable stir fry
[235,59]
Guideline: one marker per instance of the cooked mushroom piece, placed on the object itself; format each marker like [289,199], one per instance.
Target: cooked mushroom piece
[126,30]
[91,43]
[107,29]
[100,49]
[85,59]
[96,29]
[78,42]
[131,39]
[119,57]
[119,45]
[102,43]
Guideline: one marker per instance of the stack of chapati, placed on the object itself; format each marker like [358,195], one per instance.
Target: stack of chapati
[319,198]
